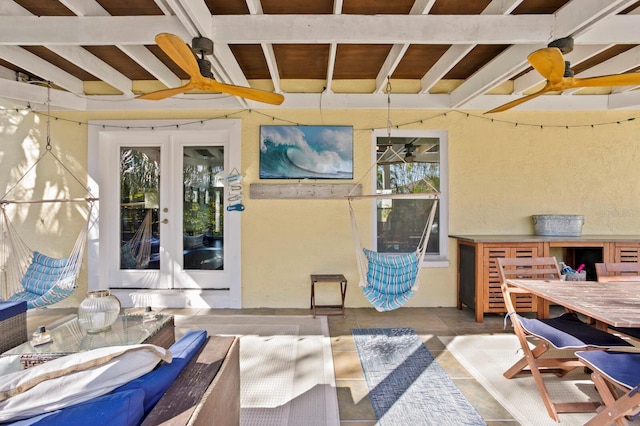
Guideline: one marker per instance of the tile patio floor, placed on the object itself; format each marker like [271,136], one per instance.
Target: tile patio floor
[354,404]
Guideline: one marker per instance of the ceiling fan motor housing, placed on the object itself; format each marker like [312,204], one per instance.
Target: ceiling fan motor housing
[564,44]
[202,45]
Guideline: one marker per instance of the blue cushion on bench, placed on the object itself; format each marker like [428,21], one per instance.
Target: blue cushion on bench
[114,409]
[11,309]
[155,383]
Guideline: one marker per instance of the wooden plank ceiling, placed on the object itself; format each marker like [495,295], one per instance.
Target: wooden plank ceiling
[431,54]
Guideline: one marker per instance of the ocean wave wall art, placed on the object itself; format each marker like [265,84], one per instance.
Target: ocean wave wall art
[306,152]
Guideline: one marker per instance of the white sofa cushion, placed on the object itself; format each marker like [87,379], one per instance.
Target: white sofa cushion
[74,378]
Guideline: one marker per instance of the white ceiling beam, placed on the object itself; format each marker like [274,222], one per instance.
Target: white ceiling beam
[508,63]
[8,74]
[86,30]
[626,100]
[230,29]
[375,29]
[333,49]
[456,53]
[140,54]
[439,102]
[367,29]
[255,8]
[37,96]
[84,7]
[397,51]
[94,66]
[578,16]
[151,63]
[43,69]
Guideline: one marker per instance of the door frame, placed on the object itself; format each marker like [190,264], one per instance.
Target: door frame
[99,274]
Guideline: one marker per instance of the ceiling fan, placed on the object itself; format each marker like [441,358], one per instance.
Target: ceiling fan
[199,70]
[550,63]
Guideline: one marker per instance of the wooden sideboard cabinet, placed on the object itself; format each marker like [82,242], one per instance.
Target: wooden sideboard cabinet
[479,280]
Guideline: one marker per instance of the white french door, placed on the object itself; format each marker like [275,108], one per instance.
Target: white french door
[163,225]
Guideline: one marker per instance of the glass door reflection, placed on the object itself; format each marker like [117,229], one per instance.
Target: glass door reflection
[139,205]
[203,212]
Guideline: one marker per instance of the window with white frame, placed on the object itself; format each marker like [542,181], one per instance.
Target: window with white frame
[411,162]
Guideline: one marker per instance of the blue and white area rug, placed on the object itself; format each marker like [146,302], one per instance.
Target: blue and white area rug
[406,384]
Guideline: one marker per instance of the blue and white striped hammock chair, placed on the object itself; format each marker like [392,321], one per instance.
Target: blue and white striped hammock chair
[388,281]
[34,277]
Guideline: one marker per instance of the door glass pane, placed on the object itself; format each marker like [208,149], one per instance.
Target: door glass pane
[139,203]
[407,165]
[203,214]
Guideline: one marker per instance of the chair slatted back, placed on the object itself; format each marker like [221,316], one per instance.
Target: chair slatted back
[528,268]
[620,271]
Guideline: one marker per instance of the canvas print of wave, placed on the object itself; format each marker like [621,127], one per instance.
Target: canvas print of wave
[306,152]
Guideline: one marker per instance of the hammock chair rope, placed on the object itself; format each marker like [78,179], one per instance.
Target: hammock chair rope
[28,274]
[388,280]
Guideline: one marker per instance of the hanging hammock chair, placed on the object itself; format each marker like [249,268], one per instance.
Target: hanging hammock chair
[136,252]
[34,277]
[30,275]
[388,281]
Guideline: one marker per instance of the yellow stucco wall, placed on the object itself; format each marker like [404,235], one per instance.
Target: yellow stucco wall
[500,174]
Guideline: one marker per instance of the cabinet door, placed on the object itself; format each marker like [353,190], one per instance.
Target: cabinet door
[493,301]
[626,252]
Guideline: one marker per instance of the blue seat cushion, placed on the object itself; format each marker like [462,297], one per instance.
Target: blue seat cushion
[633,332]
[156,382]
[568,332]
[392,274]
[11,309]
[620,367]
[114,409]
[44,272]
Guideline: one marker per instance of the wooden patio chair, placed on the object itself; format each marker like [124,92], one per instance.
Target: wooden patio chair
[622,271]
[566,332]
[617,378]
[539,268]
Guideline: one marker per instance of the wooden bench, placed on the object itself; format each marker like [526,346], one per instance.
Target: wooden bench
[207,391]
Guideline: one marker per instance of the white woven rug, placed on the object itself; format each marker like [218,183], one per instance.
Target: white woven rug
[486,357]
[286,367]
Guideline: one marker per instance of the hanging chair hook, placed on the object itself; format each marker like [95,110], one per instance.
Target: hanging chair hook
[48,147]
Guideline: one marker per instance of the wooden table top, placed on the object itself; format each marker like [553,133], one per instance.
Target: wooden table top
[614,303]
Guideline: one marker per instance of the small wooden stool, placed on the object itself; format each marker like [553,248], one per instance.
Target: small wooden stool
[328,309]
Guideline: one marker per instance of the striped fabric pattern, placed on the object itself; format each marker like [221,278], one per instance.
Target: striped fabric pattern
[391,279]
[47,280]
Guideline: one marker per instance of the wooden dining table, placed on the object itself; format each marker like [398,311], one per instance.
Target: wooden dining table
[615,303]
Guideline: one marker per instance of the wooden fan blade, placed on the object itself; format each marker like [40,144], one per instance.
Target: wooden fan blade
[166,93]
[179,52]
[522,100]
[549,62]
[628,79]
[243,92]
